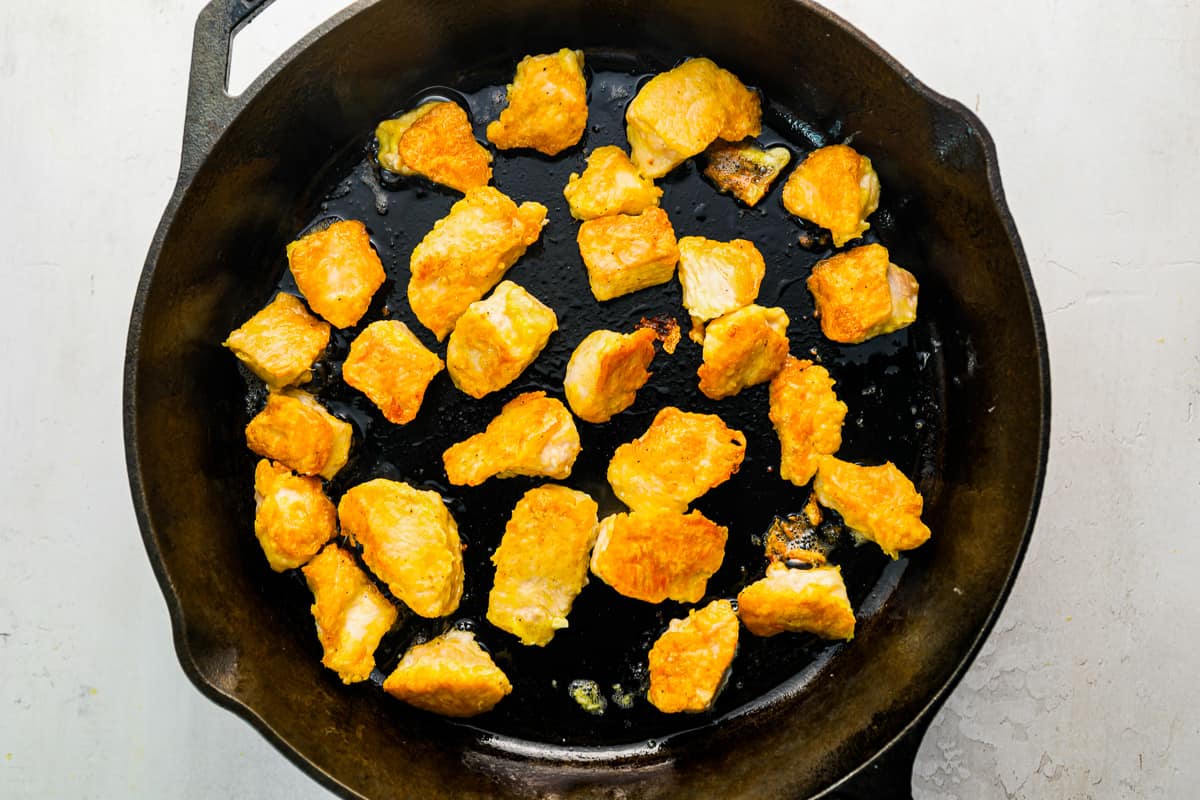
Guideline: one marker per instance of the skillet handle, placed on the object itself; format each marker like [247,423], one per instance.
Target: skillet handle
[210,108]
[889,776]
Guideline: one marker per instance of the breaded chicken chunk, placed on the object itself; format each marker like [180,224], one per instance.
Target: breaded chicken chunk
[352,615]
[605,372]
[497,338]
[542,563]
[743,348]
[533,435]
[744,169]
[435,141]
[337,271]
[799,601]
[410,540]
[690,661]
[547,104]
[450,675]
[877,503]
[860,294]
[680,112]
[611,184]
[467,253]
[658,555]
[807,416]
[293,519]
[280,343]
[680,457]
[836,188]
[718,277]
[388,364]
[295,430]
[626,253]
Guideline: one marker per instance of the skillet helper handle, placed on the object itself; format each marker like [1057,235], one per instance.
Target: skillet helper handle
[210,107]
[889,776]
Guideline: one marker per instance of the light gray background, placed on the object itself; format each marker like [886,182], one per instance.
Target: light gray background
[1086,688]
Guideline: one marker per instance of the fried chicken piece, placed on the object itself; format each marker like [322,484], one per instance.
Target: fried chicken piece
[293,518]
[835,188]
[547,104]
[295,430]
[798,600]
[497,338]
[542,563]
[467,253]
[626,253]
[388,364]
[807,416]
[680,457]
[718,277]
[690,662]
[352,615]
[658,555]
[410,540]
[680,112]
[605,372]
[450,675]
[744,169]
[860,294]
[533,435]
[877,503]
[435,141]
[742,349]
[280,343]
[337,271]
[611,184]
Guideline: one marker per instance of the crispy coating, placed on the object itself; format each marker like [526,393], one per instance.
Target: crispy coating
[807,416]
[836,188]
[680,457]
[658,555]
[547,104]
[295,430]
[410,540]
[388,364]
[605,372]
[337,271]
[280,343]
[611,184]
[450,675]
[293,519]
[743,348]
[352,615]
[690,662]
[860,294]
[435,141]
[878,503]
[497,338]
[744,169]
[542,563]
[794,537]
[799,601]
[680,112]
[533,435]
[718,277]
[467,253]
[626,253]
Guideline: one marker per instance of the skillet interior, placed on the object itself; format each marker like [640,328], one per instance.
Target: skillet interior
[238,631]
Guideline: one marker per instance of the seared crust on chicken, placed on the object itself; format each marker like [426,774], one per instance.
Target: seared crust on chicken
[295,430]
[605,372]
[718,277]
[626,253]
[410,540]
[798,600]
[352,615]
[542,563]
[835,188]
[337,271]
[860,294]
[533,435]
[743,348]
[807,416]
[878,503]
[467,253]
[690,661]
[547,104]
[435,140]
[280,343]
[611,184]
[388,363]
[744,169]
[293,518]
[450,675]
[658,555]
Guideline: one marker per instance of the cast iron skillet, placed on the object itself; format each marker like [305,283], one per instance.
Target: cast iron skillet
[259,168]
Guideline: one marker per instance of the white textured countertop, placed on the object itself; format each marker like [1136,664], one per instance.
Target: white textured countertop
[1087,686]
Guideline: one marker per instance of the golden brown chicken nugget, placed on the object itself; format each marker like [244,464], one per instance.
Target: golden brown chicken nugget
[744,169]
[605,372]
[388,363]
[658,555]
[435,140]
[860,294]
[626,253]
[547,104]
[293,518]
[533,435]
[450,675]
[611,184]
[295,430]
[836,188]
[280,343]
[690,662]
[799,601]
[337,271]
[718,277]
[743,348]
[878,503]
[807,416]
